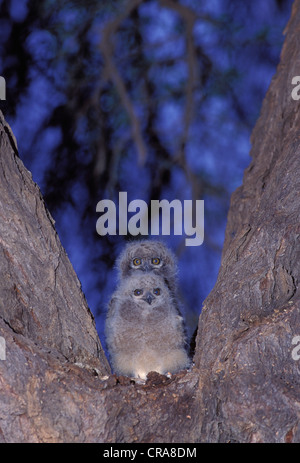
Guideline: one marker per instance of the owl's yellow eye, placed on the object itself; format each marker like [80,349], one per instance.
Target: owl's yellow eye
[155,261]
[138,292]
[137,261]
[156,291]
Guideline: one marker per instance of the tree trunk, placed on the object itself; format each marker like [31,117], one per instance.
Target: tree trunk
[55,381]
[250,381]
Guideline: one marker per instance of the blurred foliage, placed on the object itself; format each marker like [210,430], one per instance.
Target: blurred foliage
[156,98]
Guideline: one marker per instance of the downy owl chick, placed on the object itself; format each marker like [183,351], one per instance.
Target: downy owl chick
[149,256]
[144,331]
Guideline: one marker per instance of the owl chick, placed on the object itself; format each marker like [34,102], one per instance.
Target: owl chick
[149,256]
[144,331]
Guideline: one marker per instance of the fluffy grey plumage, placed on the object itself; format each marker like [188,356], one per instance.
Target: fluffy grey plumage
[149,256]
[144,331]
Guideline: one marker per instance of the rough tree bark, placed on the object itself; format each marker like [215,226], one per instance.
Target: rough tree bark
[250,382]
[55,383]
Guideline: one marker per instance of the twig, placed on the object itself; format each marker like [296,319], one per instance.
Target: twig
[107,49]
[189,17]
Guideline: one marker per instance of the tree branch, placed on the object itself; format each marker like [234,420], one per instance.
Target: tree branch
[111,70]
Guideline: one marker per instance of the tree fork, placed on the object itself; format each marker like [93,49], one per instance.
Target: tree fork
[56,384]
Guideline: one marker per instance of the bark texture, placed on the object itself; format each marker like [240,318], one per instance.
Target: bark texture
[41,296]
[251,384]
[55,383]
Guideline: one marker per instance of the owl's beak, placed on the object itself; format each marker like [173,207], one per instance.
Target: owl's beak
[148,298]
